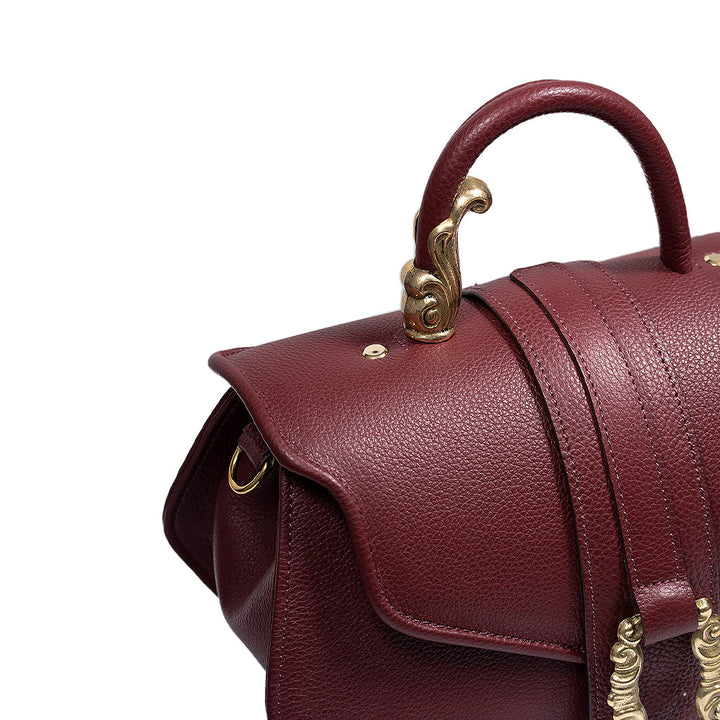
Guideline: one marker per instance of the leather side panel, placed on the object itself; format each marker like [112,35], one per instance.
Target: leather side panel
[228,540]
[188,515]
[245,552]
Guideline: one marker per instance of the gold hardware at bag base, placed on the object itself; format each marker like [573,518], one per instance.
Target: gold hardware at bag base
[627,657]
[713,259]
[431,299]
[249,487]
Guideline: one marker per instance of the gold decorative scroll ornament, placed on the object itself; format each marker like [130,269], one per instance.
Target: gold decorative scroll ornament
[627,657]
[706,648]
[431,298]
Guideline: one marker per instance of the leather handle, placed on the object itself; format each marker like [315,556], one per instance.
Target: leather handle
[554,96]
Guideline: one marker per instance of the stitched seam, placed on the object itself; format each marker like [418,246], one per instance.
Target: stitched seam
[573,466]
[287,591]
[593,389]
[660,582]
[367,534]
[580,356]
[643,406]
[647,323]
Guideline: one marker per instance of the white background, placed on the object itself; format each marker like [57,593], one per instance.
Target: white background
[182,177]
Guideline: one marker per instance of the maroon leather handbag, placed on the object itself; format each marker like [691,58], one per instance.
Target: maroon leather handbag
[495,504]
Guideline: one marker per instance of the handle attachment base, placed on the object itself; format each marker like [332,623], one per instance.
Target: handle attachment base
[432,297]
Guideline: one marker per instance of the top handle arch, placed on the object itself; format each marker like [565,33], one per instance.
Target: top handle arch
[448,181]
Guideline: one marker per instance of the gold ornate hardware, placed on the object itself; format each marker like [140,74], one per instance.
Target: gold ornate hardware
[431,300]
[706,648]
[713,259]
[249,487]
[627,657]
[375,352]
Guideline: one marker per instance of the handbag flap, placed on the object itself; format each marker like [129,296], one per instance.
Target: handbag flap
[444,462]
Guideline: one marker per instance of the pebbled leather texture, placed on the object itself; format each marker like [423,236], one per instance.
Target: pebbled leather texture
[459,514]
[335,658]
[390,452]
[454,531]
[465,504]
[525,102]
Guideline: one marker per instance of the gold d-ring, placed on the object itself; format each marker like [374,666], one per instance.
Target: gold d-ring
[249,487]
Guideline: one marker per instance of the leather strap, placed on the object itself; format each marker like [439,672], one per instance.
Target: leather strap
[553,96]
[628,447]
[253,446]
[647,440]
[605,582]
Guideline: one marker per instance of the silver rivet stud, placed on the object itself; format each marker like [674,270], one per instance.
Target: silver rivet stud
[713,259]
[375,352]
